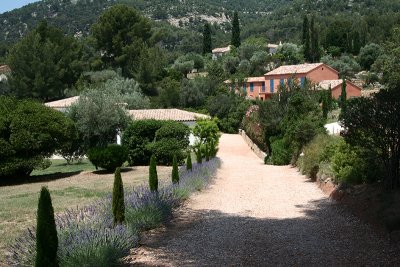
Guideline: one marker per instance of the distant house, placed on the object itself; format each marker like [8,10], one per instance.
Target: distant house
[352,90]
[63,104]
[318,74]
[272,48]
[219,52]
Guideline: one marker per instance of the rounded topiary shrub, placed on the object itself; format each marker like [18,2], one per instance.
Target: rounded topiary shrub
[281,153]
[109,157]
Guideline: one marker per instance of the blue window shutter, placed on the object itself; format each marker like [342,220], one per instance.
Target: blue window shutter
[263,86]
[271,85]
[303,81]
[244,87]
[282,82]
[251,87]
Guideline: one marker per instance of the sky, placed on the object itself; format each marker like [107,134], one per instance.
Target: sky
[7,5]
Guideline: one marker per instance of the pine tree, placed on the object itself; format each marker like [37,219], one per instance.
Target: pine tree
[46,232]
[189,161]
[207,46]
[343,96]
[175,172]
[235,41]
[153,178]
[315,53]
[306,39]
[118,205]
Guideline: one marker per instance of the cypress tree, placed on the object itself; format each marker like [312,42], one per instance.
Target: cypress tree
[325,108]
[306,39]
[153,178]
[175,173]
[343,96]
[118,205]
[189,161]
[330,100]
[235,41]
[207,46]
[199,157]
[207,153]
[315,53]
[46,232]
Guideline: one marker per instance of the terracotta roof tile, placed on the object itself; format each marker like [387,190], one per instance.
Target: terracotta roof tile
[165,114]
[63,103]
[333,83]
[292,69]
[221,49]
[255,79]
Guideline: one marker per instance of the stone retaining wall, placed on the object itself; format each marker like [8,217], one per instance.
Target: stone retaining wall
[261,154]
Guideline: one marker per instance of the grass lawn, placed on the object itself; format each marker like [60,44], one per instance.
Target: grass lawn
[61,166]
[73,186]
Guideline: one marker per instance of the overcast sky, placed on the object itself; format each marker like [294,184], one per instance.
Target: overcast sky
[7,5]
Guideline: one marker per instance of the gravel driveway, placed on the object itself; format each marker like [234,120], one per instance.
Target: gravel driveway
[259,215]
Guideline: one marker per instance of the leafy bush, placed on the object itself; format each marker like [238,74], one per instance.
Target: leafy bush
[281,153]
[29,132]
[317,151]
[354,165]
[136,138]
[109,157]
[160,138]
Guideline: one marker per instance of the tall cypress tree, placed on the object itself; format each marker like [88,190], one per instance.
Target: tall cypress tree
[343,95]
[235,41]
[306,39]
[175,172]
[189,165]
[153,177]
[207,46]
[46,232]
[118,205]
[315,53]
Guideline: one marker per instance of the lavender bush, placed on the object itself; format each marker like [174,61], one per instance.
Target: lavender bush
[87,236]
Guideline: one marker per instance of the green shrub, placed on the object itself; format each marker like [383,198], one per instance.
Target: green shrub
[318,150]
[354,165]
[118,206]
[29,133]
[109,157]
[153,178]
[46,232]
[161,138]
[207,153]
[144,218]
[175,173]
[136,139]
[189,165]
[281,153]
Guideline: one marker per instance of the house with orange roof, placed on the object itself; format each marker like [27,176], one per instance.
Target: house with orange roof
[318,74]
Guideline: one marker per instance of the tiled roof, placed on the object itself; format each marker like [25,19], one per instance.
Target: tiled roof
[165,114]
[255,79]
[63,103]
[272,45]
[333,83]
[221,49]
[292,69]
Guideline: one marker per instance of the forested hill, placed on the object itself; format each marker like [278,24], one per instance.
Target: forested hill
[274,19]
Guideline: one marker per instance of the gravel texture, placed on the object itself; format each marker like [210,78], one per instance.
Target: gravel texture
[259,215]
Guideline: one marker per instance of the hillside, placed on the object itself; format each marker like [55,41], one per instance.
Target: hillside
[274,19]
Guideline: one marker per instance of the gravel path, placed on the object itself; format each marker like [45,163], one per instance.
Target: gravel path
[259,215]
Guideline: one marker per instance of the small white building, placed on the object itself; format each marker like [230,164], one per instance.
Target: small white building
[220,51]
[62,104]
